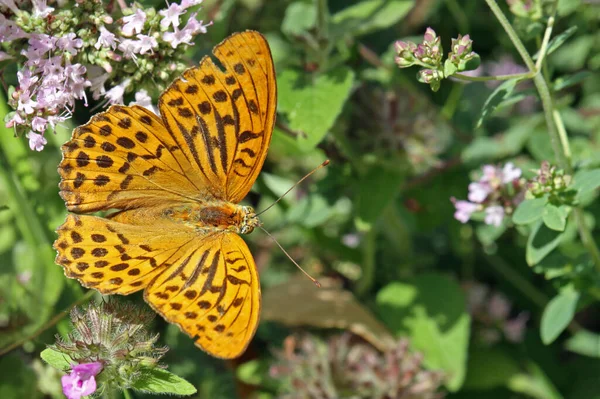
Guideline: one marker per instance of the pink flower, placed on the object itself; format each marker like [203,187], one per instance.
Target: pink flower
[81,381]
[134,23]
[41,9]
[494,215]
[115,95]
[69,42]
[26,104]
[514,329]
[36,141]
[39,124]
[129,48]
[171,15]
[106,39]
[146,43]
[478,192]
[464,210]
[510,173]
[144,100]
[185,35]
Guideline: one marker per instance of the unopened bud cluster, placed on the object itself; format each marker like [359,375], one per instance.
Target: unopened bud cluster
[553,183]
[115,335]
[429,56]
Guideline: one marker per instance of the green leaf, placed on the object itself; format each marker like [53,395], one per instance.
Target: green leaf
[368,16]
[162,381]
[529,210]
[541,242]
[586,182]
[254,372]
[376,190]
[58,360]
[499,95]
[573,56]
[555,217]
[312,104]
[564,82]
[558,314]
[585,343]
[534,384]
[449,68]
[557,41]
[299,18]
[430,310]
[490,368]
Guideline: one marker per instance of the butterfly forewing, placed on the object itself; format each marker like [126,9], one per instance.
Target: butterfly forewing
[124,158]
[205,150]
[225,118]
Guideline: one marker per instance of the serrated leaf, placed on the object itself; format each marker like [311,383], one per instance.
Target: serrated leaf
[558,314]
[58,360]
[162,381]
[430,310]
[557,41]
[499,95]
[555,217]
[312,104]
[541,242]
[369,16]
[529,211]
[299,18]
[585,343]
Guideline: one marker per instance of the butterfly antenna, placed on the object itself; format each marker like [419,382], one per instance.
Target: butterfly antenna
[290,257]
[290,189]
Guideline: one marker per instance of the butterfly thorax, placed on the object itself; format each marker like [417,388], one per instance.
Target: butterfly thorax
[216,216]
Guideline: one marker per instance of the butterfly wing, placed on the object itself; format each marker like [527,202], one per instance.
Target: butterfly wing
[225,118]
[212,293]
[119,258]
[125,158]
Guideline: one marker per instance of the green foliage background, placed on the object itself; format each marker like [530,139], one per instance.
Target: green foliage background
[398,153]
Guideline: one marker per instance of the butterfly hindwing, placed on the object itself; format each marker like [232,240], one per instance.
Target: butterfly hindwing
[225,118]
[212,293]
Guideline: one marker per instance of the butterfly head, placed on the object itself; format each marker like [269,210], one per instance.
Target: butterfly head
[249,220]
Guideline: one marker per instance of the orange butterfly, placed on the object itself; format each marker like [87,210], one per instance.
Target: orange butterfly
[176,181]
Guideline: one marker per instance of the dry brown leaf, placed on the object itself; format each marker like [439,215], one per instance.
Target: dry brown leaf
[298,302]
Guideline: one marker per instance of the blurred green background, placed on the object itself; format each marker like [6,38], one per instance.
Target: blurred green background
[376,226]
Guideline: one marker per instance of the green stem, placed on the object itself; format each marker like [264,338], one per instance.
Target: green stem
[127,394]
[558,136]
[526,75]
[368,264]
[47,325]
[517,280]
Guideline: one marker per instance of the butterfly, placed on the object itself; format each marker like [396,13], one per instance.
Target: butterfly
[173,183]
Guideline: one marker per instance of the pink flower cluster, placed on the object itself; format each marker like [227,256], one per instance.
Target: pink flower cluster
[491,312]
[497,193]
[56,68]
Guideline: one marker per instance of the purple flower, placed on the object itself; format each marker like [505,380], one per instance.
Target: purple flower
[81,381]
[494,215]
[36,141]
[134,23]
[106,39]
[69,43]
[510,173]
[146,43]
[478,191]
[144,100]
[115,95]
[39,125]
[514,329]
[464,210]
[186,34]
[41,9]
[171,16]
